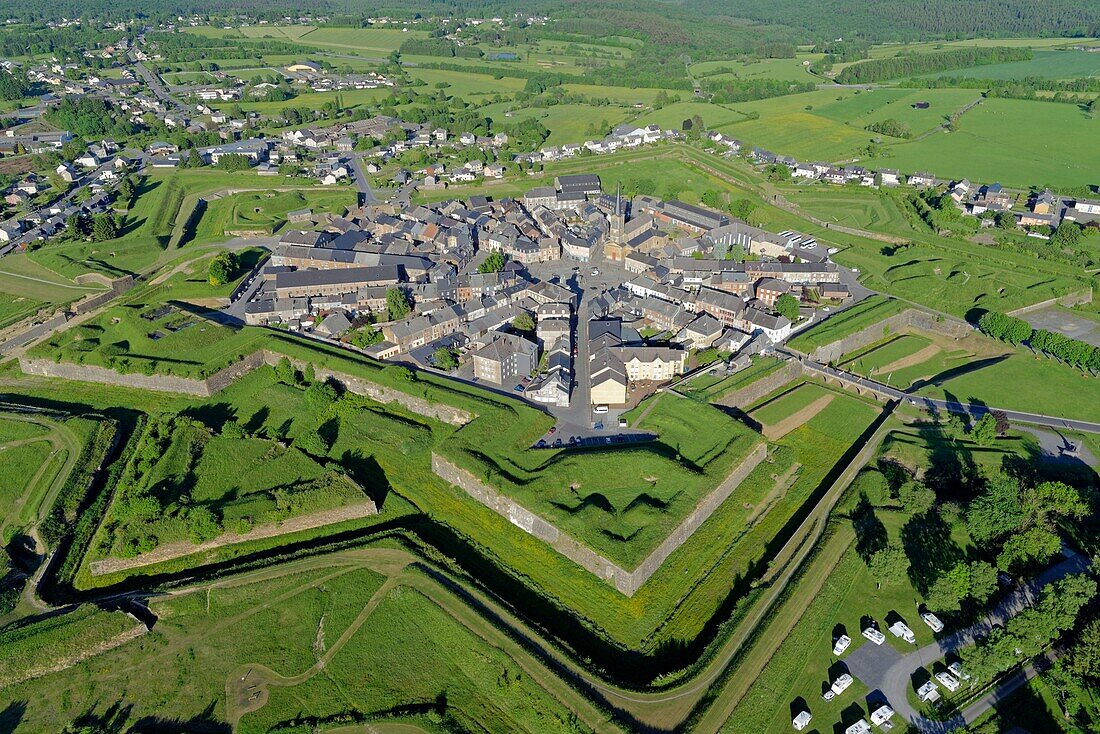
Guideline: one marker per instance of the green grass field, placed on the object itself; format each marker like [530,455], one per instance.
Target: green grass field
[872,360]
[242,481]
[672,116]
[568,123]
[784,69]
[281,623]
[1026,383]
[26,286]
[792,125]
[1049,144]
[712,387]
[265,212]
[877,105]
[467,85]
[147,228]
[159,329]
[376,41]
[872,210]
[789,402]
[22,463]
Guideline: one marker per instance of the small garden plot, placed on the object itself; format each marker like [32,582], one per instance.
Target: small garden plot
[897,353]
[782,414]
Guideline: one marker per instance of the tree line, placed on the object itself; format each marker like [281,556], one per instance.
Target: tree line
[1015,331]
[875,70]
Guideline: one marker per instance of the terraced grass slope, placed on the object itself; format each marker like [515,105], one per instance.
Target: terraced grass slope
[847,322]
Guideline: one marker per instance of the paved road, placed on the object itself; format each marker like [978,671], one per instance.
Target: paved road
[884,669]
[157,87]
[361,180]
[932,404]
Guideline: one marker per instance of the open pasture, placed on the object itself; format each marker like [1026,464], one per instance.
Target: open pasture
[1051,144]
[465,84]
[370,41]
[877,105]
[792,126]
[568,123]
[793,70]
[672,116]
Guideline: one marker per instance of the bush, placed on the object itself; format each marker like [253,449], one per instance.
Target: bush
[202,525]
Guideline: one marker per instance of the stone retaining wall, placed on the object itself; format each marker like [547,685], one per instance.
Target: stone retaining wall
[223,378]
[896,324]
[118,286]
[764,386]
[382,394]
[531,523]
[102,375]
[626,582]
[1070,299]
[706,507]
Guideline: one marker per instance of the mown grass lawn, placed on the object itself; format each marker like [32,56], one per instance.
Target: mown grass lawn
[1026,383]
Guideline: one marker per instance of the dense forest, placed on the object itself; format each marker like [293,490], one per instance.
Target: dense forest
[677,22]
[901,20]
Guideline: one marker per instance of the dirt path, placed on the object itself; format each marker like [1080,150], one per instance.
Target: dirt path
[918,357]
[168,551]
[778,430]
[782,484]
